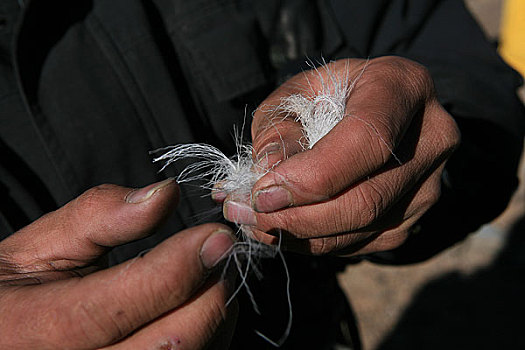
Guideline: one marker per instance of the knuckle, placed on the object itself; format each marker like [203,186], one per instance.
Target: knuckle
[216,314]
[429,194]
[447,135]
[326,182]
[368,206]
[418,76]
[392,240]
[87,323]
[405,66]
[345,241]
[12,263]
[434,192]
[451,133]
[402,74]
[334,244]
[421,79]
[84,206]
[163,294]
[444,126]
[339,221]
[322,245]
[379,137]
[18,256]
[283,220]
[93,194]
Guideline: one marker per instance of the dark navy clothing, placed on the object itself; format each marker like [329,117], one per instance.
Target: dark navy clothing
[88,87]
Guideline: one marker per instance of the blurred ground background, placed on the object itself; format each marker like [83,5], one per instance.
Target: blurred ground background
[472,296]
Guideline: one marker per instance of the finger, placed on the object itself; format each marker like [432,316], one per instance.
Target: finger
[105,306]
[276,140]
[364,203]
[217,193]
[78,233]
[388,233]
[363,142]
[360,205]
[191,326]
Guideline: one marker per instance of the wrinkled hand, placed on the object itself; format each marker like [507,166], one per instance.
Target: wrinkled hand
[51,298]
[363,186]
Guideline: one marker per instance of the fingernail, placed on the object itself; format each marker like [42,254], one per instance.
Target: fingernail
[143,194]
[262,159]
[216,247]
[218,195]
[271,199]
[239,213]
[268,149]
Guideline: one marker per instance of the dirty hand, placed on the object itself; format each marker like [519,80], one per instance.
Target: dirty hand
[53,297]
[363,186]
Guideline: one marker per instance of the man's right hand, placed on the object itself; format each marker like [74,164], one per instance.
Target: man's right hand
[52,298]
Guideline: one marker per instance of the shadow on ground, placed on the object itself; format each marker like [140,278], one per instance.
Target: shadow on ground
[484,310]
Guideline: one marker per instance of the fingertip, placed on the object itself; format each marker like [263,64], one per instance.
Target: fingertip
[216,247]
[140,195]
[239,213]
[268,238]
[268,149]
[271,199]
[120,215]
[218,196]
[278,138]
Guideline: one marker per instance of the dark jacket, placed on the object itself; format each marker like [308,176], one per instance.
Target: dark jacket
[88,87]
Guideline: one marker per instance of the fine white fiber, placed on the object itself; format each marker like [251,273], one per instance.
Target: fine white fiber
[318,112]
[236,174]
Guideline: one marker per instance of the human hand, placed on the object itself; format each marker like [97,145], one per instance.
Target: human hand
[363,186]
[51,298]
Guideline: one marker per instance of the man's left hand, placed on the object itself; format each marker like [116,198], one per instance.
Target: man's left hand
[363,186]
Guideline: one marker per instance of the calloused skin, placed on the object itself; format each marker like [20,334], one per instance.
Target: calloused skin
[54,293]
[361,188]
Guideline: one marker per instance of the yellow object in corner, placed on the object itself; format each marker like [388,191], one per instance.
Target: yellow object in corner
[512,39]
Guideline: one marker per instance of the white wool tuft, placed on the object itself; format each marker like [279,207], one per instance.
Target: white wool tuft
[232,174]
[320,111]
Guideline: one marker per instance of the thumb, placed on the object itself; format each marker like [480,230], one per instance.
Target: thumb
[102,217]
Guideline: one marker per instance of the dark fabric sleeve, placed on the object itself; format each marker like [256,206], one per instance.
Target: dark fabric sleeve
[478,89]
[471,79]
